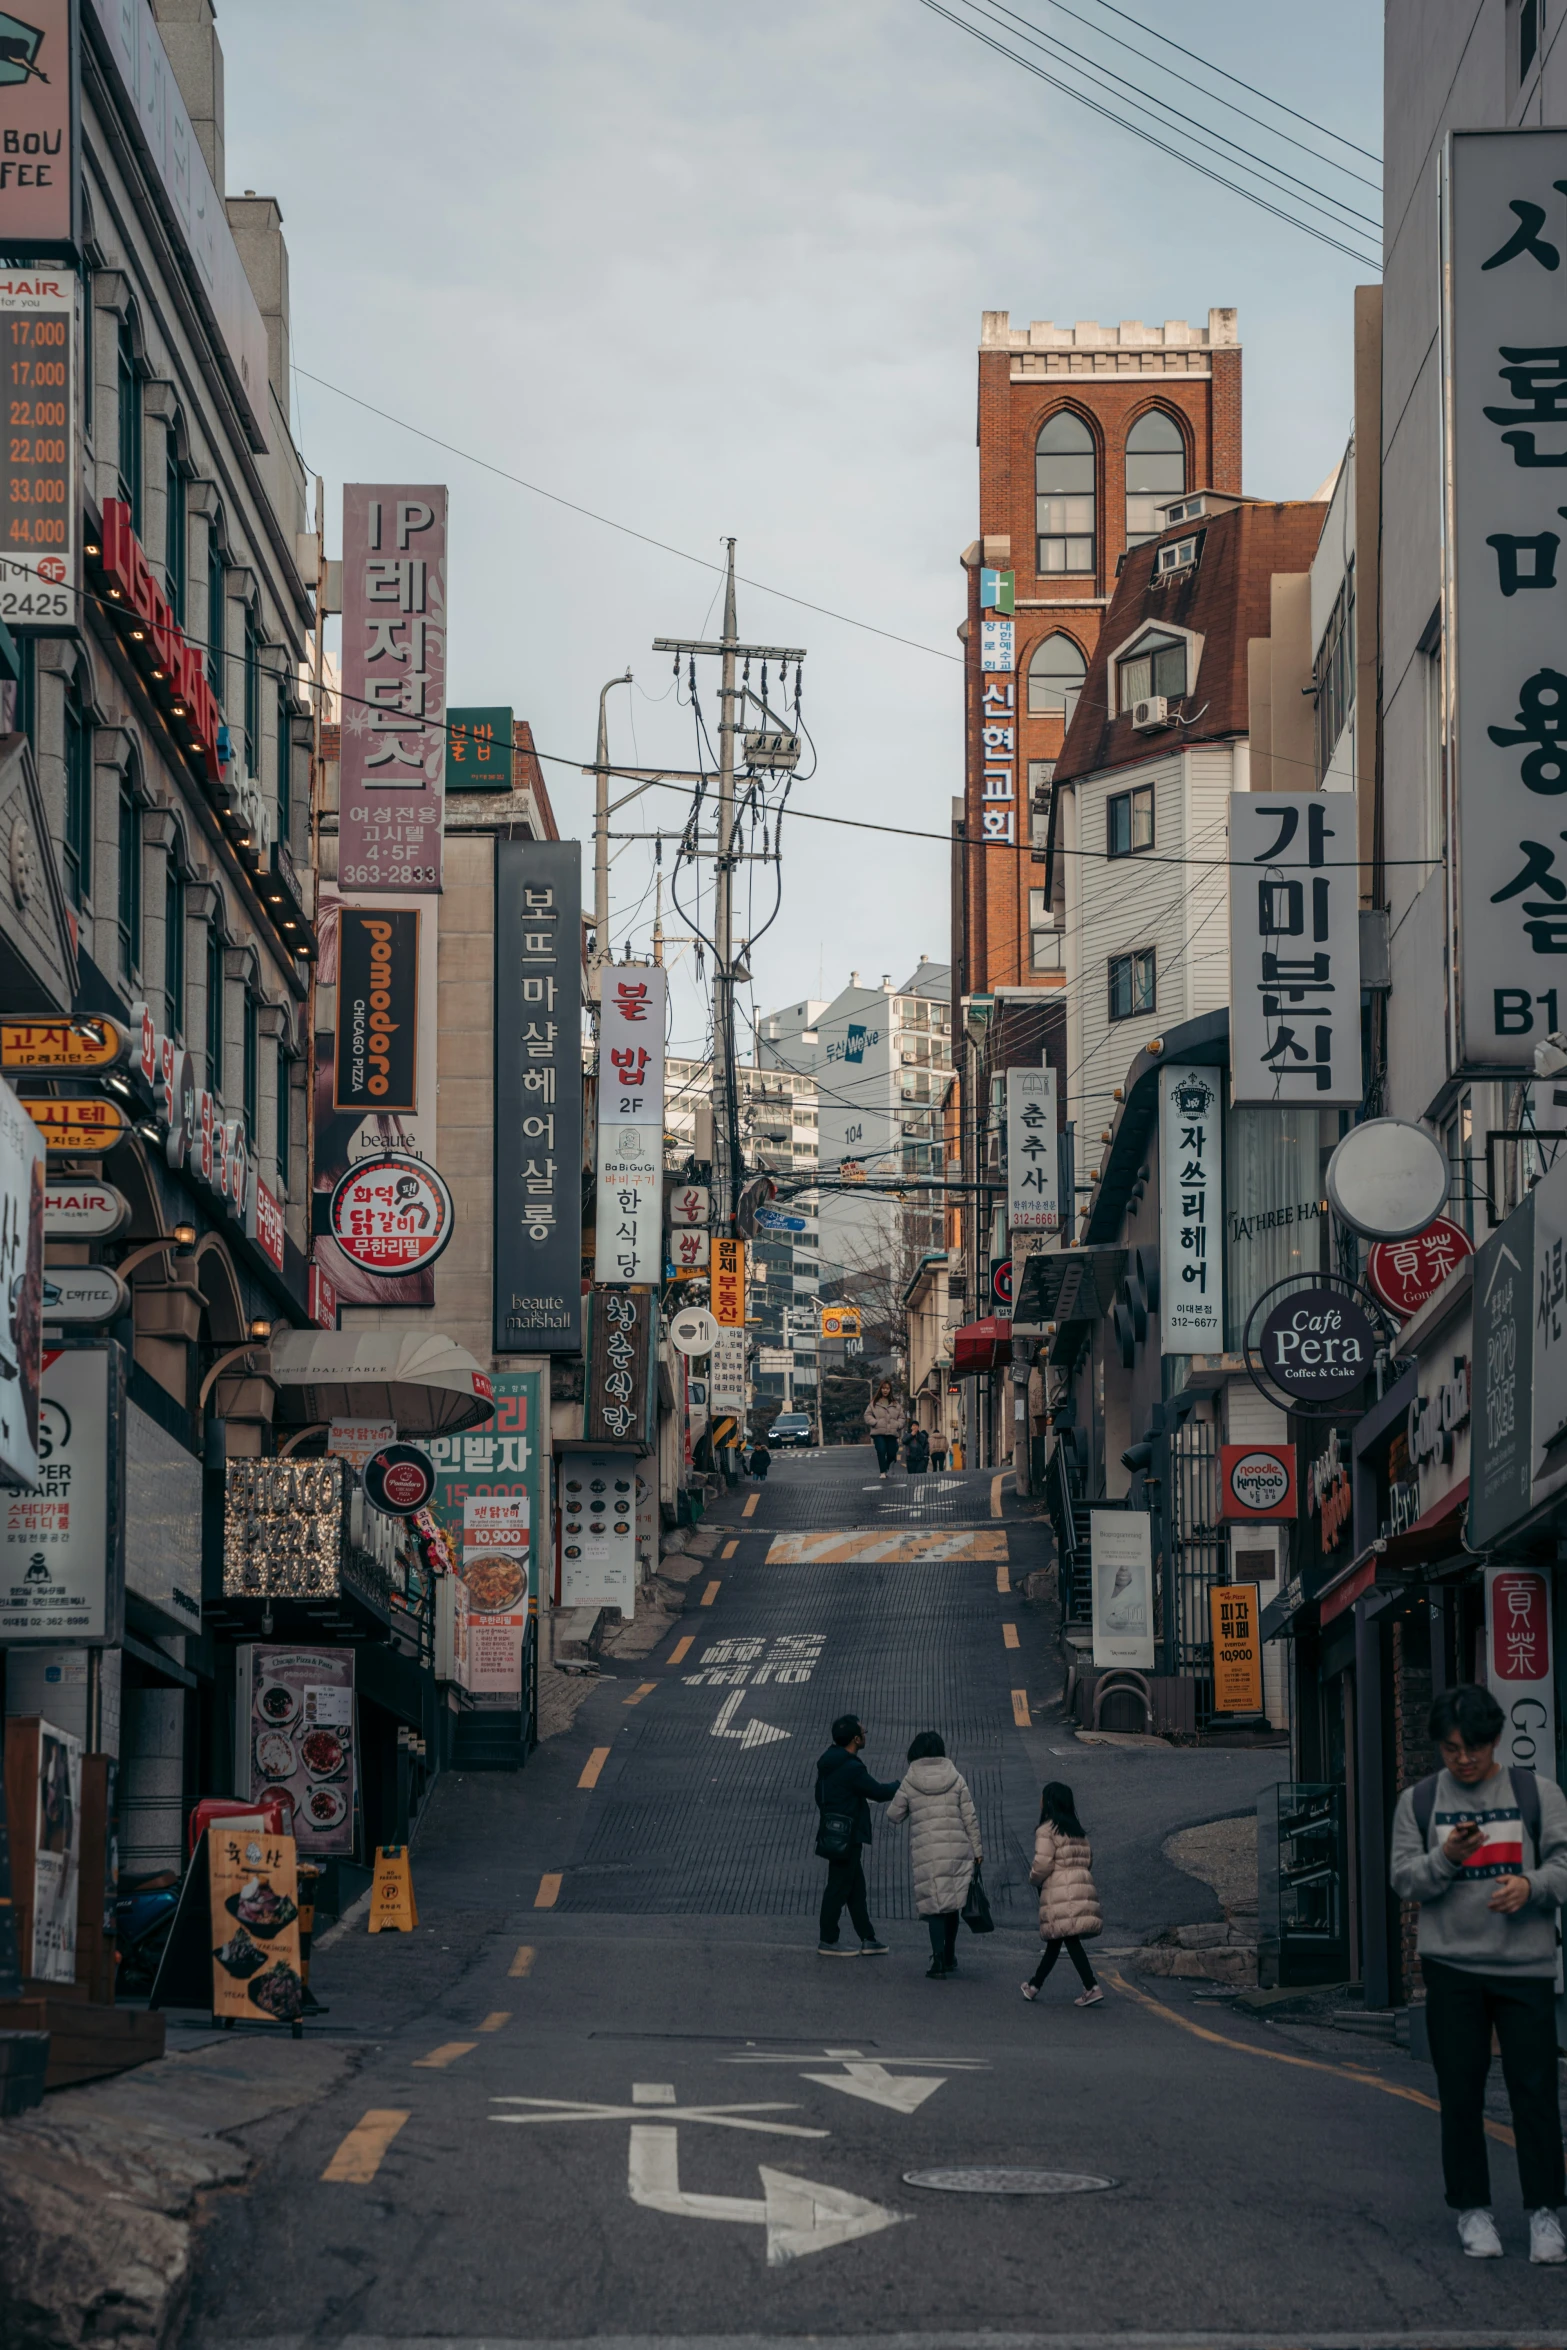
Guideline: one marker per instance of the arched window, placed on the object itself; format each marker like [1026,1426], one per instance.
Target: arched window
[1055,678]
[128,373]
[1064,494]
[1155,471]
[175,526]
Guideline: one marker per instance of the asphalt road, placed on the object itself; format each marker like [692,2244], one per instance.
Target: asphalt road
[609,2092]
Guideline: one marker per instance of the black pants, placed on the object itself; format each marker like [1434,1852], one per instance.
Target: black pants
[1075,1952]
[886,1452]
[1461,2011]
[944,1936]
[846,1883]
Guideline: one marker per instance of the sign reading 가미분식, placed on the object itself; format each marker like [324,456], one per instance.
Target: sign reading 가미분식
[1294,948]
[1191,1212]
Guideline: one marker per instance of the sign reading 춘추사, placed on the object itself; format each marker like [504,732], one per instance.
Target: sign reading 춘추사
[1294,949]
[1032,1170]
[390,789]
[1191,1212]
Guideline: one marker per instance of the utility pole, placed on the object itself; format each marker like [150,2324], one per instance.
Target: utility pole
[602,951]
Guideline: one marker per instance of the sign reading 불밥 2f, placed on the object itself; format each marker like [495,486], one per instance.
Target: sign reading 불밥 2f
[391,782]
[1504,386]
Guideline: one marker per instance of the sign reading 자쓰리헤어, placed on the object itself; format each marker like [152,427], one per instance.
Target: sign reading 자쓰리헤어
[1191,1212]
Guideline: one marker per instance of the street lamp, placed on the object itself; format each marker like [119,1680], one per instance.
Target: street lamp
[601,945]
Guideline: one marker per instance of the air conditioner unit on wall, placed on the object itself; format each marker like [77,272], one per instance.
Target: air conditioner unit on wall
[1150,713]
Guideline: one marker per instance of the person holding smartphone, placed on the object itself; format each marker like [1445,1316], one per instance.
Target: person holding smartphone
[1483,1848]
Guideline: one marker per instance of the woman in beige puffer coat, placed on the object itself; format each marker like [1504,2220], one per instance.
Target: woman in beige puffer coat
[1069,1911]
[884,1417]
[944,1844]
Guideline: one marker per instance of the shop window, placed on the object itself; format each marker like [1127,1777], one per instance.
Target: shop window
[1129,821]
[1274,1222]
[129,909]
[1333,677]
[77,845]
[1157,667]
[1458,1140]
[1064,494]
[1055,677]
[1133,986]
[1155,473]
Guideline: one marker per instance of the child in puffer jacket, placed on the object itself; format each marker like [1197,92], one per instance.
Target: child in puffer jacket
[1068,1903]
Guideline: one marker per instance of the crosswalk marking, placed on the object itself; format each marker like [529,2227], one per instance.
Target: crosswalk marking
[881,1546]
[1003,1579]
[364,2149]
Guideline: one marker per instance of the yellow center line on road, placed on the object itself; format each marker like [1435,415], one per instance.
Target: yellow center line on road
[549,1891]
[729,1549]
[592,1767]
[361,2154]
[497,2020]
[643,1689]
[710,1594]
[750,1506]
[448,2053]
[682,1649]
[1310,2064]
[1003,1578]
[522,1964]
[996,1483]
[1020,1712]
[1009,1638]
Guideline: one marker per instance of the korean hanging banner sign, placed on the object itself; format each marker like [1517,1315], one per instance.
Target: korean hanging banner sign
[1518,1665]
[538,1097]
[1032,1169]
[629,1230]
[394,689]
[1294,948]
[998,754]
[1191,1212]
[1504,391]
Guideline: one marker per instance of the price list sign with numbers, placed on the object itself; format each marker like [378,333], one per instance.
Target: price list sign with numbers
[38,534]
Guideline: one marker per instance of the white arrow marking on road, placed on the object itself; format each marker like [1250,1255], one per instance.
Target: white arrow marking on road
[722,2117]
[754,1734]
[877,2086]
[800,2215]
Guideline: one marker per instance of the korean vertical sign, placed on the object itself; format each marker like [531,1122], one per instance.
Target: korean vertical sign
[1032,1158]
[1504,392]
[1191,1213]
[490,1506]
[629,1229]
[538,1097]
[390,788]
[1294,948]
[998,731]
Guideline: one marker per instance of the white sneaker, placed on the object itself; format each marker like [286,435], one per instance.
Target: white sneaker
[1547,2244]
[1478,2236]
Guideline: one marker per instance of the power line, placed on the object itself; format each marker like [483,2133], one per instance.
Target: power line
[1251,87]
[1250,195]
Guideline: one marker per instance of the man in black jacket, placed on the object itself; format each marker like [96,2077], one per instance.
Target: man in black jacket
[844,1787]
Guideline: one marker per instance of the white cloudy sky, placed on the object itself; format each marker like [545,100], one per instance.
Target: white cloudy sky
[709,268]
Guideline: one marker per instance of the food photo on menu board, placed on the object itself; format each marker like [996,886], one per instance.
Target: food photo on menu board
[297,1727]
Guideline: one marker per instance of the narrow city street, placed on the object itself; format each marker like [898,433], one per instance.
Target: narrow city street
[705,2131]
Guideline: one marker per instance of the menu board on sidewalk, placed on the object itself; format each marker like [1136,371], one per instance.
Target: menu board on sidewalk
[296,1737]
[254,1894]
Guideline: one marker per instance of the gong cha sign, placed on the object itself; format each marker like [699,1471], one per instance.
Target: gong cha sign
[1518,1667]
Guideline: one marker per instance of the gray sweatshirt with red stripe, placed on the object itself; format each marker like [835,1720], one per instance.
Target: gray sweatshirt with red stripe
[1456,1924]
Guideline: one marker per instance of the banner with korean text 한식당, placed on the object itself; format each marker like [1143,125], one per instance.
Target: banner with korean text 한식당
[628,1232]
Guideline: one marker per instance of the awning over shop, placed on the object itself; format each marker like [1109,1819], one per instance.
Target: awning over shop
[428,1384]
[1436,1535]
[980,1346]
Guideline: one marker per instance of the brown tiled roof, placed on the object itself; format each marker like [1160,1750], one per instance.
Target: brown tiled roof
[1226,600]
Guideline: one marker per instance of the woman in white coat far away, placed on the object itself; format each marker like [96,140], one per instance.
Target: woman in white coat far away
[944,1844]
[1069,1911]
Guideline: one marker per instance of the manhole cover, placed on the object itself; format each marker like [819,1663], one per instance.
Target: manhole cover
[995,2181]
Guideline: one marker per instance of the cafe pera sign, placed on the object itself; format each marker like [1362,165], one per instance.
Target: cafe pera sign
[1315,1346]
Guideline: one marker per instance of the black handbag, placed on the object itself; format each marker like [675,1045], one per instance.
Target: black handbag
[835,1835]
[976,1908]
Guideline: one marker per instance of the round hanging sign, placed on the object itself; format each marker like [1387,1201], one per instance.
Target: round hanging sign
[693,1330]
[1387,1179]
[1317,1345]
[399,1479]
[391,1214]
[1404,1273]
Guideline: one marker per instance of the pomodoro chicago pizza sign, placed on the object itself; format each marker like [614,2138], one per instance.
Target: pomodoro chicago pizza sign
[1258,1481]
[391,1214]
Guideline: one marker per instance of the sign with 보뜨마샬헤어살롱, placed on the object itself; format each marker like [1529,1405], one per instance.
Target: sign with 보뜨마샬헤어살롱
[376,1062]
[1404,1273]
[393,765]
[1191,1212]
[391,1214]
[1033,1174]
[1257,1481]
[1294,948]
[479,748]
[1237,1648]
[1316,1345]
[538,1097]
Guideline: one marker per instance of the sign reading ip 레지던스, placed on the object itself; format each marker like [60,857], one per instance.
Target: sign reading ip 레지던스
[1504,383]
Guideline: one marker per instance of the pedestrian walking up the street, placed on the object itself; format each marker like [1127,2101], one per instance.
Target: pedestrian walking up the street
[845,1792]
[938,1451]
[761,1461]
[1069,1912]
[1483,1849]
[884,1419]
[917,1452]
[944,1844]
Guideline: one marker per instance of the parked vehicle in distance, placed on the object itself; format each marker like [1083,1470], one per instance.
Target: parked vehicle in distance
[791,1428]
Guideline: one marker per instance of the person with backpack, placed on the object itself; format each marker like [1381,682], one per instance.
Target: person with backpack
[1483,1848]
[761,1461]
[1069,1913]
[944,1844]
[845,1792]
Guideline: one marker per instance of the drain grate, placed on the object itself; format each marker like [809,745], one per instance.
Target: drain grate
[997,2181]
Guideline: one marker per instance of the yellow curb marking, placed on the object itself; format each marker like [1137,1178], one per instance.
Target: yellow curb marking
[710,1594]
[592,1767]
[682,1649]
[750,1507]
[522,1964]
[1009,1638]
[1310,2064]
[549,1891]
[1020,1713]
[360,2156]
[643,1689]
[448,2053]
[729,1550]
[995,1492]
[1003,1578]
[496,2020]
